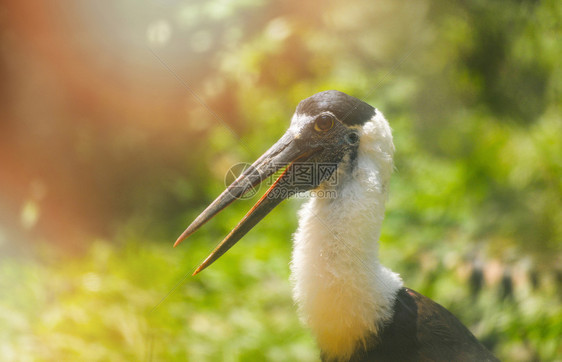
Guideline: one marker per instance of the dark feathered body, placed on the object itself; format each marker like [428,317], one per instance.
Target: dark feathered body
[422,330]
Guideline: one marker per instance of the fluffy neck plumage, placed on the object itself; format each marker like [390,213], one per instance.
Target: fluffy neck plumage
[344,294]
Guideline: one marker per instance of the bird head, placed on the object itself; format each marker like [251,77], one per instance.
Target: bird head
[324,135]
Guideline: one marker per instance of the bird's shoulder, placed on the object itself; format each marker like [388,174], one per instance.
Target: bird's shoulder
[422,330]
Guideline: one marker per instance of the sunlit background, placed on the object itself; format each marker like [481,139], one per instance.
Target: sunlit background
[119,121]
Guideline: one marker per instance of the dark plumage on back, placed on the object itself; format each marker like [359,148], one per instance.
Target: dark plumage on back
[422,330]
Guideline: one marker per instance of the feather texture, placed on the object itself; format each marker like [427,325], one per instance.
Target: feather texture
[344,294]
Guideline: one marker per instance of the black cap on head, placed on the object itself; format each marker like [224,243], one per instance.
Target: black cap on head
[347,109]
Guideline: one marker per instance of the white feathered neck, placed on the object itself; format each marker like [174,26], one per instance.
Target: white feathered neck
[343,293]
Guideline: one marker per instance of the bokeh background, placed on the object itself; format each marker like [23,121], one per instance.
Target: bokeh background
[119,120]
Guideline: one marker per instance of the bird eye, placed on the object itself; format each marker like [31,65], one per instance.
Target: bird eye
[324,123]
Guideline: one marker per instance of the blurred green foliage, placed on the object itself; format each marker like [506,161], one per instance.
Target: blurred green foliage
[472,90]
[139,302]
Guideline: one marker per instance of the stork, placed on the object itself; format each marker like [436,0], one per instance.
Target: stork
[357,309]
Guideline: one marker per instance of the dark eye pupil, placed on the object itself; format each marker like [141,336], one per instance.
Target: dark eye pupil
[324,122]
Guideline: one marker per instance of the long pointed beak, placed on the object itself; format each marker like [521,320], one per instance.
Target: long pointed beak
[283,153]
